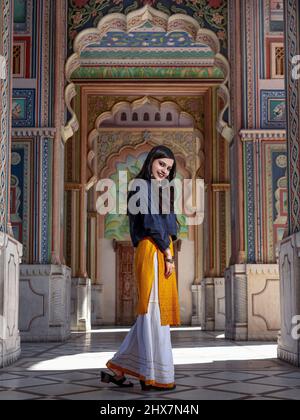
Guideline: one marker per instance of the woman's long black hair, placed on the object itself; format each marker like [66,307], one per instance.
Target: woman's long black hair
[158,152]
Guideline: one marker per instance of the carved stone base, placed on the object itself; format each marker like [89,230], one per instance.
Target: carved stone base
[212,304]
[289,265]
[208,304]
[219,293]
[10,258]
[81,304]
[196,305]
[96,310]
[45,294]
[252,302]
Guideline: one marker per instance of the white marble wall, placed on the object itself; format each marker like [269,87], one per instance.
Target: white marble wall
[10,258]
[185,279]
[108,278]
[289,263]
[45,297]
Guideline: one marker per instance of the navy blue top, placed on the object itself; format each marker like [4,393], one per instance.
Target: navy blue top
[158,226]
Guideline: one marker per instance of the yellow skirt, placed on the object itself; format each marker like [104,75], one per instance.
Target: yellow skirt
[144,272]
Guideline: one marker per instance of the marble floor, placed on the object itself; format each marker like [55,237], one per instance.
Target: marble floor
[207,367]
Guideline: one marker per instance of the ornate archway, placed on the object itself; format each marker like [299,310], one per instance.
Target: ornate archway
[197,87]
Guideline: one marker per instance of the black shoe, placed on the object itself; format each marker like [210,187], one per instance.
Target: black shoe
[145,387]
[106,377]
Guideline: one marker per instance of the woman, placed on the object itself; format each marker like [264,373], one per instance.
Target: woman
[146,352]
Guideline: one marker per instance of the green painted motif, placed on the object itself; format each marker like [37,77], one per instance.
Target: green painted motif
[146,73]
[145,55]
[19,11]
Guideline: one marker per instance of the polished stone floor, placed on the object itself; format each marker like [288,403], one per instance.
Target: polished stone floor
[207,368]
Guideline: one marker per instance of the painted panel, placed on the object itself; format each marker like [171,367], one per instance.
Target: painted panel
[276,15]
[23,108]
[21,193]
[273,109]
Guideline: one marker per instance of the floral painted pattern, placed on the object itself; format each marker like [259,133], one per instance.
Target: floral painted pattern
[211,14]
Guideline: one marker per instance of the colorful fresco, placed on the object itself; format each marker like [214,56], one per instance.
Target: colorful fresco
[211,14]
[147,55]
[21,194]
[266,192]
[31,197]
[147,72]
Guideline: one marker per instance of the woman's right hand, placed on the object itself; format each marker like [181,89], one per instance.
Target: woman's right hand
[169,268]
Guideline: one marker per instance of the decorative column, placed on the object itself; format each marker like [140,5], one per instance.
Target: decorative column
[81,282]
[198,232]
[217,225]
[45,286]
[257,156]
[196,287]
[10,249]
[289,252]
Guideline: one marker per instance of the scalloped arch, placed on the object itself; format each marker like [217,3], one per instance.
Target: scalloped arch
[138,21]
[93,135]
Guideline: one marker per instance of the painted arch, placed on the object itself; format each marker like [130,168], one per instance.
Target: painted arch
[150,41]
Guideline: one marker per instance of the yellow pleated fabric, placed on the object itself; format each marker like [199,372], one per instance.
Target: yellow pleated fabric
[167,287]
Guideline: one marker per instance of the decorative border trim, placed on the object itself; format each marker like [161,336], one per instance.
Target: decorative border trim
[34,131]
[253,135]
[292,43]
[250,207]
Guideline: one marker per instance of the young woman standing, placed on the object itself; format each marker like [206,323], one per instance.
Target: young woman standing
[146,352]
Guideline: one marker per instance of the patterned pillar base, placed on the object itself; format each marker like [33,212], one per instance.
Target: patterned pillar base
[96,310]
[81,304]
[289,263]
[10,258]
[196,305]
[219,293]
[207,304]
[45,296]
[252,302]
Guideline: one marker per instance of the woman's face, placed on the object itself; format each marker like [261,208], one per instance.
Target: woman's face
[161,168]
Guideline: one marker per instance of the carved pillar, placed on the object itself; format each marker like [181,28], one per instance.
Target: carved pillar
[289,255]
[216,224]
[10,249]
[45,285]
[249,290]
[236,26]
